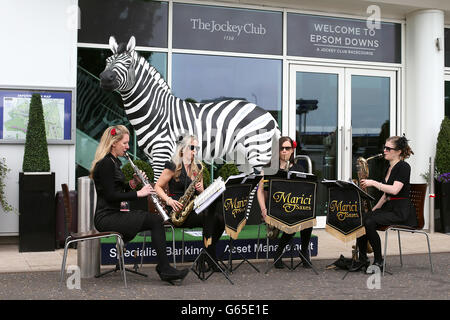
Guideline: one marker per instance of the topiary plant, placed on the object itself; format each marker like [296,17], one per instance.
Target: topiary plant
[35,157]
[228,169]
[142,165]
[442,161]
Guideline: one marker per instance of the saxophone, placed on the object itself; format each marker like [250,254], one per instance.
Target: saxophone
[187,201]
[362,168]
[161,209]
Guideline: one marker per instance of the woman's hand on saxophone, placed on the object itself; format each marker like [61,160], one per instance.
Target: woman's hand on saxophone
[177,206]
[199,187]
[365,183]
[146,191]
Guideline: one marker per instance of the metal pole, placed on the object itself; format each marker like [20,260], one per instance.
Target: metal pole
[432,196]
[88,252]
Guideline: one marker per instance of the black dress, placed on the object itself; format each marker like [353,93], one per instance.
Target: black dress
[399,210]
[211,219]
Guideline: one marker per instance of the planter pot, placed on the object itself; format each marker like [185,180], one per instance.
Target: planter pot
[37,212]
[442,206]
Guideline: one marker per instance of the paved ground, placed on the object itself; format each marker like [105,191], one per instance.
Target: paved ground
[412,281]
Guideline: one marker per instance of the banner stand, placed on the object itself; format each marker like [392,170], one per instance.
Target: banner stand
[237,201]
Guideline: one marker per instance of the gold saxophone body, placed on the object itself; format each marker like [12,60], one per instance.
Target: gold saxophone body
[187,202]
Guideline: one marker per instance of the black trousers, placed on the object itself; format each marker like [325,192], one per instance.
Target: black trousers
[211,220]
[372,220]
[305,237]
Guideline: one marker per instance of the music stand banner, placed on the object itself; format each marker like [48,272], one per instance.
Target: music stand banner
[235,201]
[344,218]
[291,204]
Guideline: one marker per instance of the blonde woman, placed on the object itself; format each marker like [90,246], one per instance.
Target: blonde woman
[178,175]
[113,193]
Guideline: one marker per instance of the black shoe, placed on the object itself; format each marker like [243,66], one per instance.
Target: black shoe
[359,265]
[171,274]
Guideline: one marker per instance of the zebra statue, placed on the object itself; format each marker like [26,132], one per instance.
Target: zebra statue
[231,128]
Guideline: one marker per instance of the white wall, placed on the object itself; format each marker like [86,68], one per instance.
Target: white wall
[39,49]
[424,109]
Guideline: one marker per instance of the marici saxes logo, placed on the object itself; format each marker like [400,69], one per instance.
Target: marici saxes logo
[344,210]
[293,202]
[236,206]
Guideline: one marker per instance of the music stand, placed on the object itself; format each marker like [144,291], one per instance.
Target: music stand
[235,218]
[117,268]
[349,225]
[201,273]
[304,177]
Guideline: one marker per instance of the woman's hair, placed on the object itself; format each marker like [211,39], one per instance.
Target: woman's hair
[401,143]
[183,145]
[282,140]
[110,136]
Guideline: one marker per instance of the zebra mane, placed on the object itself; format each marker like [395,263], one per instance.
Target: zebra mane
[155,74]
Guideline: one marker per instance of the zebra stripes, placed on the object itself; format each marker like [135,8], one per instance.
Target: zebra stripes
[233,130]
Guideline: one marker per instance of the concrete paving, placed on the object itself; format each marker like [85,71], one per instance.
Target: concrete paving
[36,276]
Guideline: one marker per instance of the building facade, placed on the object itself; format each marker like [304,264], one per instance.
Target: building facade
[338,76]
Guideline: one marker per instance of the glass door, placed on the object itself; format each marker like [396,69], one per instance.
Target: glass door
[337,114]
[447,95]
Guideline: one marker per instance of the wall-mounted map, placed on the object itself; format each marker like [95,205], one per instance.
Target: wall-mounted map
[14,109]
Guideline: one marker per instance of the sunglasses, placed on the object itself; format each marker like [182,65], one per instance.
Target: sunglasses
[285,148]
[194,148]
[388,149]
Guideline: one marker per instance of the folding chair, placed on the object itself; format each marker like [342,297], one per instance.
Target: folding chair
[417,196]
[85,236]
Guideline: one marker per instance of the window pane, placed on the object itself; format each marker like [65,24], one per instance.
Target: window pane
[214,78]
[96,108]
[146,20]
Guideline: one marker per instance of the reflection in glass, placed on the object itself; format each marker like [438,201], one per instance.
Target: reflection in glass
[447,99]
[98,109]
[206,78]
[370,122]
[316,124]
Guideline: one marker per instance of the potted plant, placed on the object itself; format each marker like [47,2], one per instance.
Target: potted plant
[3,172]
[36,186]
[442,180]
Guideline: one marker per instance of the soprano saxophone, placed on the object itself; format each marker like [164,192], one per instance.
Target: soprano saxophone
[154,197]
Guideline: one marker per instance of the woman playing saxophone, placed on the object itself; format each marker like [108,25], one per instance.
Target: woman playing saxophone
[178,175]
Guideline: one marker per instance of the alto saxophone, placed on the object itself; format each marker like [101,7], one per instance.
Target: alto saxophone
[362,168]
[187,201]
[154,197]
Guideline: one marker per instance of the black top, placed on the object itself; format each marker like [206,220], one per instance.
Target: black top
[403,211]
[400,172]
[177,188]
[295,167]
[110,185]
